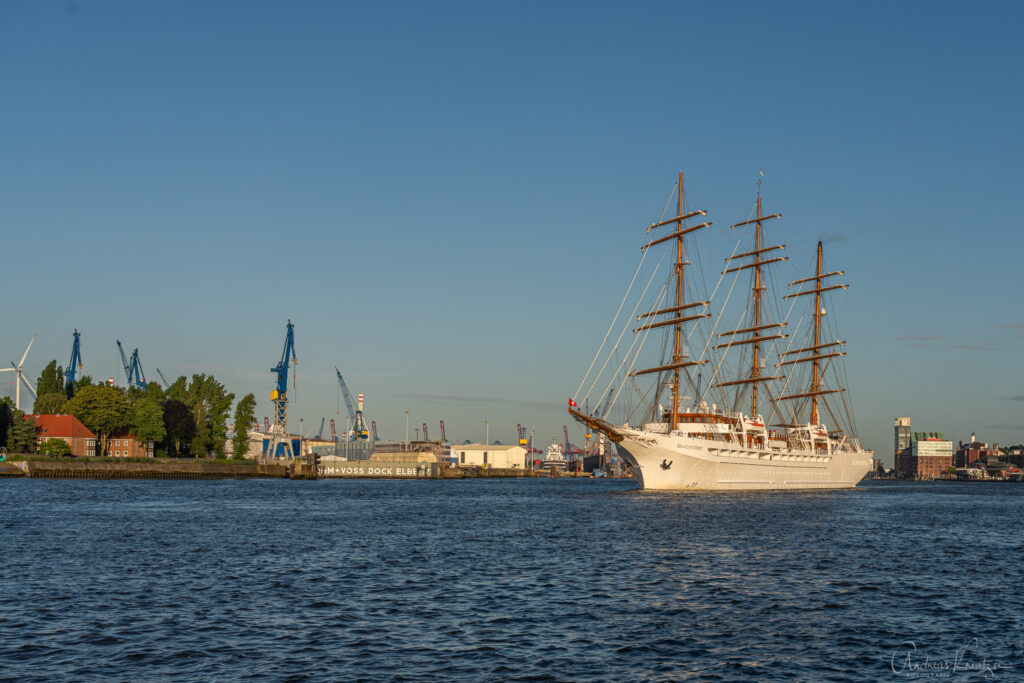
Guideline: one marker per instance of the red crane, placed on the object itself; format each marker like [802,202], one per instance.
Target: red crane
[425,437]
[373,426]
[444,439]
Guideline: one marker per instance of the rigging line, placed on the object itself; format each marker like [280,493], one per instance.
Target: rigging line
[625,296]
[629,352]
[718,319]
[792,339]
[612,325]
[724,304]
[636,356]
[721,360]
[597,378]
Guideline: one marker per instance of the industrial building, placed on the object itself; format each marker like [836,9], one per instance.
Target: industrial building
[489,455]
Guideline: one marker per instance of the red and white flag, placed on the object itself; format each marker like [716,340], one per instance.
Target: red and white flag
[572,404]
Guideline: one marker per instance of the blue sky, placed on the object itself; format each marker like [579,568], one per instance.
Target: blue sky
[447,199]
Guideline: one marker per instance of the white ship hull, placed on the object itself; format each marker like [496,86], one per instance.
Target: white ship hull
[673,462]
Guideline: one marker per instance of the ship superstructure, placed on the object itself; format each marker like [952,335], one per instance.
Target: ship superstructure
[713,434]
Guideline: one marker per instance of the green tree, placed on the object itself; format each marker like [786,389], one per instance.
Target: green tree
[51,403]
[245,416]
[178,390]
[58,447]
[210,403]
[153,391]
[6,414]
[103,409]
[179,425]
[148,420]
[21,437]
[51,380]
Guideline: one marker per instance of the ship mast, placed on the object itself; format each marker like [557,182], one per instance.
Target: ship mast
[817,372]
[757,329]
[679,359]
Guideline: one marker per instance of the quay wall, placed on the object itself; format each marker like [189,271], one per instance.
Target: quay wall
[185,469]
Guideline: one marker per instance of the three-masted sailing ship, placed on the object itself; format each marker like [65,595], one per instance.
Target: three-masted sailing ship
[729,443]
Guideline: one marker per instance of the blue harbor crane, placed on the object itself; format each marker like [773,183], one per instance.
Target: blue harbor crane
[132,368]
[279,397]
[357,430]
[75,364]
[163,379]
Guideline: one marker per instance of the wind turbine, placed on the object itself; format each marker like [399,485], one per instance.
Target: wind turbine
[21,375]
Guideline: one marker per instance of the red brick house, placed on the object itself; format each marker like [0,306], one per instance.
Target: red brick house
[123,444]
[68,429]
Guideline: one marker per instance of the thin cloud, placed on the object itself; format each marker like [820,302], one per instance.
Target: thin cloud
[975,347]
[1018,397]
[937,342]
[440,398]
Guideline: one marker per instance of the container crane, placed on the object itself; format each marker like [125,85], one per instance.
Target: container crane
[163,379]
[334,433]
[75,363]
[320,434]
[444,439]
[279,397]
[373,424]
[357,425]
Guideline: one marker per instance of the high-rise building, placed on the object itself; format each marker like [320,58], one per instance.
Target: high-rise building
[902,434]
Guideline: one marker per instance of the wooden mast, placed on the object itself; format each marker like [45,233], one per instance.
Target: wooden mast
[755,369]
[815,357]
[677,356]
[817,340]
[755,327]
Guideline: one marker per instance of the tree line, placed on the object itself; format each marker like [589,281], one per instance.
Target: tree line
[188,418]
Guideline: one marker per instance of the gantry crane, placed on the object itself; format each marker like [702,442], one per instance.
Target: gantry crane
[75,363]
[279,397]
[357,430]
[132,368]
[163,379]
[320,434]
[443,438]
[373,425]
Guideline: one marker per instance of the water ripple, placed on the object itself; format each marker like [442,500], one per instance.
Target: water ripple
[501,580]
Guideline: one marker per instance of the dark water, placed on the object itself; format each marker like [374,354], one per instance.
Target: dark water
[507,580]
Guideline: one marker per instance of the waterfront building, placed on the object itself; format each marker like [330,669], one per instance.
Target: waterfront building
[68,429]
[491,455]
[928,456]
[972,453]
[124,444]
[901,436]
